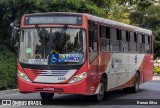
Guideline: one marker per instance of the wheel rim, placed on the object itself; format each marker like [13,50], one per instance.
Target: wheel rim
[137,84]
[101,92]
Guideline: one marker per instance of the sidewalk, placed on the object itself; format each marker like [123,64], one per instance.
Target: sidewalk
[4,92]
[156,77]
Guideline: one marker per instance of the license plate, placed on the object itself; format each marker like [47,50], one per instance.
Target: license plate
[48,88]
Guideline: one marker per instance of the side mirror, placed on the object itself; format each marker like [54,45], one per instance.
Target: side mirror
[15,30]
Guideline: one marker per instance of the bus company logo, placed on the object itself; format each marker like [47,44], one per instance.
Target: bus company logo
[115,60]
[49,72]
[62,58]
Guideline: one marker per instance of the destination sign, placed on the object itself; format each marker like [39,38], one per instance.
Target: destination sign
[56,58]
[50,19]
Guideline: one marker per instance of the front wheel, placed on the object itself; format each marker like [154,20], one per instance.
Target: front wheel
[100,95]
[46,96]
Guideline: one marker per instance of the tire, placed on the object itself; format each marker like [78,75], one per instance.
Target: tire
[46,96]
[135,88]
[100,96]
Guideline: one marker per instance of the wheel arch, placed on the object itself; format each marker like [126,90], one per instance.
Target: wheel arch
[105,78]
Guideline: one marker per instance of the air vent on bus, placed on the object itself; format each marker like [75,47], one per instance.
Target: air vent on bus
[50,72]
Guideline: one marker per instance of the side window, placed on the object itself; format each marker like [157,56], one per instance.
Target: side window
[113,33]
[93,40]
[114,42]
[123,34]
[132,37]
[139,43]
[132,42]
[148,45]
[124,41]
[146,39]
[139,38]
[143,43]
[104,38]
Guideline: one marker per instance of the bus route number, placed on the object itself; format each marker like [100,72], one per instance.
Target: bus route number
[61,78]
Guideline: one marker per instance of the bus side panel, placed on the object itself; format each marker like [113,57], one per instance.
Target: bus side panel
[122,69]
[148,68]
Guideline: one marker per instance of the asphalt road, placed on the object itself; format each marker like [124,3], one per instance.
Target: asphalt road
[149,90]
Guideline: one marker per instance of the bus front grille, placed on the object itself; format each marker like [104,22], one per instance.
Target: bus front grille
[50,72]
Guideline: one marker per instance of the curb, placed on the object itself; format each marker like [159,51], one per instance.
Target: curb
[12,91]
[156,75]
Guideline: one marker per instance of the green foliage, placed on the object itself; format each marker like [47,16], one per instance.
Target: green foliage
[147,15]
[7,70]
[11,10]
[120,14]
[157,69]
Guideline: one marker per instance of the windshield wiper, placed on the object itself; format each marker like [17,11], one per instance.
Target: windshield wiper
[39,32]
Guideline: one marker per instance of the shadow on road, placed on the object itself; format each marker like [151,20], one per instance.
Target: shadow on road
[111,98]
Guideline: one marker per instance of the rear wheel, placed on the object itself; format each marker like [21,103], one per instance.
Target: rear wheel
[46,96]
[135,88]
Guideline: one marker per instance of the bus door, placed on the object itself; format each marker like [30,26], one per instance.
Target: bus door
[105,54]
[93,55]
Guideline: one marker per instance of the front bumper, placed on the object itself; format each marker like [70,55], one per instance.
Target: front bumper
[74,88]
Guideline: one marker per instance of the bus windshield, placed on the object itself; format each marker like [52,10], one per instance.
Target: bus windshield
[43,46]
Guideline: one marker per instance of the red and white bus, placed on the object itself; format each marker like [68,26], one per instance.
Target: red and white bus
[76,53]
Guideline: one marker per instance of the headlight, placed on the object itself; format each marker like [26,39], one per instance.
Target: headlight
[78,77]
[23,76]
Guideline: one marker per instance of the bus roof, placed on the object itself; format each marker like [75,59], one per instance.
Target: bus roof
[104,21]
[119,24]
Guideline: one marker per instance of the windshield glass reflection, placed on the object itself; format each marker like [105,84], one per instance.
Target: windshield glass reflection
[52,46]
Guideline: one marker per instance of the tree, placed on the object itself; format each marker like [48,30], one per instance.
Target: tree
[11,10]
[119,13]
[147,15]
